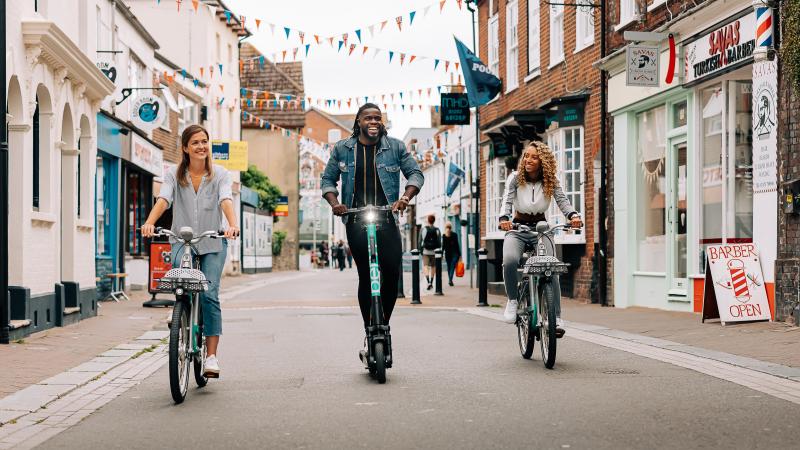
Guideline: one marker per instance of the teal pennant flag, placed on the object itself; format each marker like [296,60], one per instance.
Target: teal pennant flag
[482,85]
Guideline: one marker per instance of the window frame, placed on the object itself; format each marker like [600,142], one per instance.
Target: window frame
[493,45]
[556,140]
[535,17]
[628,12]
[585,18]
[556,34]
[512,45]
[496,176]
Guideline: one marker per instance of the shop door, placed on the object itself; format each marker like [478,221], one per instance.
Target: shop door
[677,218]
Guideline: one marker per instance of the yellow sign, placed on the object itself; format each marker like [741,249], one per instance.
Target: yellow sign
[231,155]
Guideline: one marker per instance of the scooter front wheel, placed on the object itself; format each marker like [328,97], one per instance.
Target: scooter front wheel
[380,363]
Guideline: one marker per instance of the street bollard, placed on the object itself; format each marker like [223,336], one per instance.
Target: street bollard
[415,277]
[438,257]
[400,288]
[482,282]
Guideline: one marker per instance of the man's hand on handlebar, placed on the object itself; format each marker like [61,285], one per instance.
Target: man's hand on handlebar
[148,230]
[506,225]
[339,210]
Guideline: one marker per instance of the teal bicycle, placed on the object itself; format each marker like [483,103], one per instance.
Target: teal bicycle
[536,313]
[378,356]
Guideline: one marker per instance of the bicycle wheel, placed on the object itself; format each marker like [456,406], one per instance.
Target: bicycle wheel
[526,329]
[380,363]
[200,358]
[179,352]
[548,329]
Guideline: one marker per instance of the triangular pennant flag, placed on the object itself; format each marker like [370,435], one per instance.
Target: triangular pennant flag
[377,50]
[261,61]
[419,91]
[287,30]
[221,100]
[284,56]
[330,39]
[429,92]
[202,69]
[179,4]
[441,5]
[412,108]
[316,38]
[372,31]
[358,35]
[228,16]
[439,88]
[413,57]
[402,58]
[272,29]
[258,23]
[352,47]
[435,64]
[364,52]
[383,97]
[459,3]
[211,71]
[220,68]
[341,43]
[383,24]
[411,17]
[196,82]
[195,4]
[294,53]
[348,102]
[183,73]
[307,47]
[399,23]
[392,94]
[404,107]
[391,55]
[221,87]
[425,11]
[365,99]
[437,108]
[344,38]
[339,103]
[302,37]
[446,66]
[456,67]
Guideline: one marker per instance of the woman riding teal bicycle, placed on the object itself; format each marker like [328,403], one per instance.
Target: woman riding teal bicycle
[199,193]
[529,190]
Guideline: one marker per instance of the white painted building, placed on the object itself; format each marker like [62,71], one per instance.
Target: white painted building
[54,94]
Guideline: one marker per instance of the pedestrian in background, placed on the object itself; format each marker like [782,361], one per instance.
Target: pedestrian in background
[429,240]
[349,256]
[340,255]
[452,250]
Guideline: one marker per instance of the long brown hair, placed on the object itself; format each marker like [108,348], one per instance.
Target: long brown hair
[183,167]
[547,169]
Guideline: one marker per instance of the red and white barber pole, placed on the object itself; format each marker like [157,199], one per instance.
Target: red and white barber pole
[764,30]
[739,280]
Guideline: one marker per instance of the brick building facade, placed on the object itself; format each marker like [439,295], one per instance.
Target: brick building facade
[550,93]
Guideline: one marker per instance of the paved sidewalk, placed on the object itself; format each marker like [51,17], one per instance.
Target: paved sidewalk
[775,342]
[56,350]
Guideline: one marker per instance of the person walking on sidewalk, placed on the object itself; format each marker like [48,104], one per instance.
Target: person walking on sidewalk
[340,255]
[452,250]
[429,241]
[349,256]
[529,190]
[199,194]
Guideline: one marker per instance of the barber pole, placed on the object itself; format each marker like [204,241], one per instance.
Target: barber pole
[764,30]
[738,280]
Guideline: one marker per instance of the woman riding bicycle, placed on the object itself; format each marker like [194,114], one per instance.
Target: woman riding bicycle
[199,193]
[529,190]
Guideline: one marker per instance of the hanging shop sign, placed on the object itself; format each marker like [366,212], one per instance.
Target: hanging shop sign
[148,112]
[108,69]
[765,128]
[282,208]
[146,155]
[723,48]
[231,155]
[455,109]
[734,285]
[641,67]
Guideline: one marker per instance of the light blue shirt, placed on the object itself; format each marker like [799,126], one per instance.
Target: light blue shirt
[200,210]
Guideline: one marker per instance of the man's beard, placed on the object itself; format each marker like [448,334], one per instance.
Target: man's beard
[365,133]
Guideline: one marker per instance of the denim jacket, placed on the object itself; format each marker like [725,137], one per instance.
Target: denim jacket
[391,158]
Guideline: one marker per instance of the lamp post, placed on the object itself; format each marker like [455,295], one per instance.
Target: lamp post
[475,179]
[4,306]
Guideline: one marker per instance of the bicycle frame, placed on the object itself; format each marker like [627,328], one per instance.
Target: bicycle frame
[188,261]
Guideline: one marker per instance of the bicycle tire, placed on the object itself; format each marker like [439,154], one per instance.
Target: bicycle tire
[548,329]
[526,329]
[179,363]
[380,363]
[199,359]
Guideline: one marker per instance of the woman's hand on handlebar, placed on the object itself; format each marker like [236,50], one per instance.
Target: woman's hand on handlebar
[148,230]
[232,232]
[506,225]
[576,221]
[339,210]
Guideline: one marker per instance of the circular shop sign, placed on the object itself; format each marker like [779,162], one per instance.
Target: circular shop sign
[148,112]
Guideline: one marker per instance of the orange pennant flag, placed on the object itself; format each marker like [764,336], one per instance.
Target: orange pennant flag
[365,51]
[383,97]
[441,5]
[348,102]
[316,38]
[385,106]
[330,39]
[241,66]
[258,23]
[402,58]
[339,103]
[221,87]
[202,69]
[383,24]
[399,23]
[195,4]
[284,56]
[412,59]
[456,66]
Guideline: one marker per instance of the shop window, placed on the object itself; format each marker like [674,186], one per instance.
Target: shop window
[651,190]
[334,135]
[679,117]
[627,11]
[188,113]
[534,37]
[494,45]
[78,180]
[102,224]
[584,24]
[556,34]
[742,95]
[712,106]
[496,175]
[567,147]
[36,156]
[138,203]
[512,46]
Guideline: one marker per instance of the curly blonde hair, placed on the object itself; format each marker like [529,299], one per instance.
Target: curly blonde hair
[547,169]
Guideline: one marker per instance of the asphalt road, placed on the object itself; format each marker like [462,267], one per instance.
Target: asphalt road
[291,379]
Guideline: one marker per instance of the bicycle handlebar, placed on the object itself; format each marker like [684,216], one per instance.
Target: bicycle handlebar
[368,208]
[195,239]
[526,228]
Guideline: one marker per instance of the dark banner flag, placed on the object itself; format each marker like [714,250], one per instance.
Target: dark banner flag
[454,177]
[482,85]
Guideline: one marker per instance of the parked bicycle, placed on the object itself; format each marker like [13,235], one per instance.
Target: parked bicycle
[187,344]
[378,356]
[537,310]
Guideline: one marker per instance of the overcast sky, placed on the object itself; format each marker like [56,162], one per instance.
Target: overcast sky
[332,74]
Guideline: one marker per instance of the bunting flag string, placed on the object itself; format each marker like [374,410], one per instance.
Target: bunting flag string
[263,123]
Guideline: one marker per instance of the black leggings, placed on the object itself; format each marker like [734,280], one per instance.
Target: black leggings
[390,255]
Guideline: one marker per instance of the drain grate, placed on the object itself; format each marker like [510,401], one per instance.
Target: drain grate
[621,372]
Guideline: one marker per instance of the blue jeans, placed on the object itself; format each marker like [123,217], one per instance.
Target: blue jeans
[452,260]
[211,264]
[514,244]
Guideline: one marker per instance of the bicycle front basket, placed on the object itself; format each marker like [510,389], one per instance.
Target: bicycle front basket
[190,280]
[544,264]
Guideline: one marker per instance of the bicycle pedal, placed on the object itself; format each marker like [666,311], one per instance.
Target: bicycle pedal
[560,332]
[211,375]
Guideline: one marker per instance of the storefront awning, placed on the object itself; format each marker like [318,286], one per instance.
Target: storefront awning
[510,131]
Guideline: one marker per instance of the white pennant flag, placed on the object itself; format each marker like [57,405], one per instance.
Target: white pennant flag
[425,11]
[372,31]
[272,28]
[377,50]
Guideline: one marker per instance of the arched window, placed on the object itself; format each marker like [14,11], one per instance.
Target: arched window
[36,156]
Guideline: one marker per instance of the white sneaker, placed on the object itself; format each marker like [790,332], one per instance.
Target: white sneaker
[559,322]
[211,367]
[510,314]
